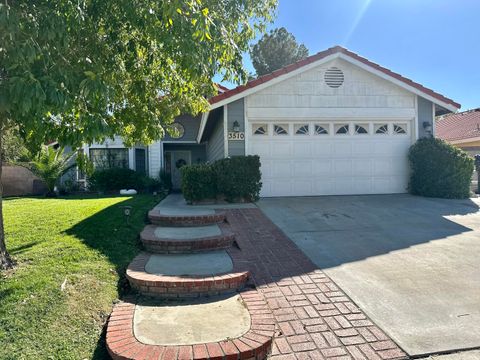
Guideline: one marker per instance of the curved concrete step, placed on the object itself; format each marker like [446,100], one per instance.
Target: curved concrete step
[185,275]
[166,216]
[193,330]
[183,240]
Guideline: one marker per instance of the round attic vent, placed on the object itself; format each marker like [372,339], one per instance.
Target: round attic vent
[334,77]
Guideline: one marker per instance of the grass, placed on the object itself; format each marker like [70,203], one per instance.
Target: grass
[71,257]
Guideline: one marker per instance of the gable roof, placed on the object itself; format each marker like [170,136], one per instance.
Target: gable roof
[459,127]
[336,51]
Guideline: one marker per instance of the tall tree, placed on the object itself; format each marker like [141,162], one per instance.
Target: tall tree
[276,50]
[82,71]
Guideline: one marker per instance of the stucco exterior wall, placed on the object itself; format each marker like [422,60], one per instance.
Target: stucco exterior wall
[425,114]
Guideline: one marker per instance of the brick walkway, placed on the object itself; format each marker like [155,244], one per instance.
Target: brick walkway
[315,319]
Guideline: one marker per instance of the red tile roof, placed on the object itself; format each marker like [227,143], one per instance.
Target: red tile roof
[460,126]
[334,50]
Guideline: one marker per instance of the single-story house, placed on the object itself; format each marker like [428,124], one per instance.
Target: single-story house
[333,123]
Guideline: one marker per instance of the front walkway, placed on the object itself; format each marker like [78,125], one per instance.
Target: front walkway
[315,319]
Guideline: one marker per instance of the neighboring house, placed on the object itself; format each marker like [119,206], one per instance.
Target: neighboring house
[332,124]
[463,130]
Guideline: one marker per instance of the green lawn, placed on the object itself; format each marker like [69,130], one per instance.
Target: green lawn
[82,243]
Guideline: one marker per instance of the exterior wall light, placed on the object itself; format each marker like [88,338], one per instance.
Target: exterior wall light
[427,126]
[236,126]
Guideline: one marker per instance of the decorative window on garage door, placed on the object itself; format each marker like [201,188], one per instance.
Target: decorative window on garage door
[400,129]
[321,129]
[260,129]
[302,129]
[361,129]
[342,129]
[280,129]
[381,129]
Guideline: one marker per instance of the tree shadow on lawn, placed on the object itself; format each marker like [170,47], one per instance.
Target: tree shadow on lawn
[108,232]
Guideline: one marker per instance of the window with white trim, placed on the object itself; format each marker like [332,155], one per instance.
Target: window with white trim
[321,129]
[361,129]
[381,129]
[302,129]
[280,129]
[342,129]
[260,129]
[399,129]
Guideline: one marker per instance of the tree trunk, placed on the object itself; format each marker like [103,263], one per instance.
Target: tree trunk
[5,260]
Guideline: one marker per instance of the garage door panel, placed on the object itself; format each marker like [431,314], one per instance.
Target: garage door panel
[362,167]
[342,167]
[361,149]
[280,149]
[322,167]
[331,164]
[302,149]
[281,168]
[322,148]
[302,168]
[342,148]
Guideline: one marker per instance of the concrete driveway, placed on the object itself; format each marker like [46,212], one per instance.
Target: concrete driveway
[411,263]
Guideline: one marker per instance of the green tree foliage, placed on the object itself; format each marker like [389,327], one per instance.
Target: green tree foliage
[83,71]
[14,149]
[50,164]
[276,50]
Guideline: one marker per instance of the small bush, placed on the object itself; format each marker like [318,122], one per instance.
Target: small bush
[115,179]
[439,170]
[198,182]
[238,178]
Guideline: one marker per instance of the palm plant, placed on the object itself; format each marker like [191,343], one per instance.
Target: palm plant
[50,165]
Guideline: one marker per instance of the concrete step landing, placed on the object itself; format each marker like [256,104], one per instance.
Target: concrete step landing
[170,216]
[232,327]
[185,275]
[185,239]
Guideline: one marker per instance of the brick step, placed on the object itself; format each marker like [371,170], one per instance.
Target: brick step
[184,240]
[185,218]
[185,275]
[124,326]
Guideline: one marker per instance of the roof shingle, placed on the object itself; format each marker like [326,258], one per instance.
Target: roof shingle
[460,126]
[334,50]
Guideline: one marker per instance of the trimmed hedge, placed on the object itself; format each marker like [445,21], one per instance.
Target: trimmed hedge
[115,179]
[236,179]
[439,170]
[198,182]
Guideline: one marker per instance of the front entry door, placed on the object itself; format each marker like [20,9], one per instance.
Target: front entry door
[177,160]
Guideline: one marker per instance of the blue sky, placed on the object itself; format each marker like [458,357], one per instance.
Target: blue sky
[433,42]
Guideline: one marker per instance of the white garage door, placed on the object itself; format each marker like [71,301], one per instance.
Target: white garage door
[331,158]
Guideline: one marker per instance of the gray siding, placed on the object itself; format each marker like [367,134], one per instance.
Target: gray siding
[215,145]
[236,112]
[425,113]
[191,125]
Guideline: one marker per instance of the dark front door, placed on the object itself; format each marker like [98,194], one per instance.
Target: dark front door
[140,161]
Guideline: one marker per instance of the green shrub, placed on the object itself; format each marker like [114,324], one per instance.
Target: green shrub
[198,182]
[439,170]
[152,184]
[238,178]
[115,179]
